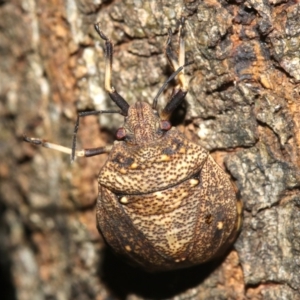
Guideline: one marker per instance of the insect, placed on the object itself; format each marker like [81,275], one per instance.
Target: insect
[163,202]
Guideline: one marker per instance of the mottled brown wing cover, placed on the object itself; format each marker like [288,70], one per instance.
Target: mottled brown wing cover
[167,205]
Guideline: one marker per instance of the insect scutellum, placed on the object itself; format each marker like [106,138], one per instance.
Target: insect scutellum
[178,64]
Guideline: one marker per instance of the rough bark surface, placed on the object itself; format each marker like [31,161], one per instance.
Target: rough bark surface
[243,106]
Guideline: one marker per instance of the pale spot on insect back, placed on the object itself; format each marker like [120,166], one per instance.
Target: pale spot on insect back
[124,200]
[134,166]
[220,225]
[182,150]
[159,195]
[119,179]
[172,240]
[180,259]
[123,171]
[164,157]
[128,248]
[194,182]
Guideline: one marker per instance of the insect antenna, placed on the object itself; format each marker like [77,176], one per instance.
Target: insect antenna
[163,87]
[178,65]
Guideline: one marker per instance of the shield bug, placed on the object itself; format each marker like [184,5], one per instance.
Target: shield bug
[163,202]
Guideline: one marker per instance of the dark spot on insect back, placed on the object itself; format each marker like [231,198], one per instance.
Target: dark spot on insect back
[168,151]
[208,219]
[178,143]
[123,161]
[174,148]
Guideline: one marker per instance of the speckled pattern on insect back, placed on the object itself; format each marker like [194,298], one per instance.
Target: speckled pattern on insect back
[168,210]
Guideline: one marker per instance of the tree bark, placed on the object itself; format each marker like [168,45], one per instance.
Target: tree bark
[242,105]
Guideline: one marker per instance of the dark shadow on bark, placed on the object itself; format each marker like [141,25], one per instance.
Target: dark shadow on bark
[7,287]
[123,279]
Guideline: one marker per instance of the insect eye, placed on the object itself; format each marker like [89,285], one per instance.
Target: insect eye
[121,133]
[165,125]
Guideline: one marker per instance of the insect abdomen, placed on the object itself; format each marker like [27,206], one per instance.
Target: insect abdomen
[184,224]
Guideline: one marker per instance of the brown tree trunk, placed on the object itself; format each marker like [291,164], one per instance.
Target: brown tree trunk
[243,106]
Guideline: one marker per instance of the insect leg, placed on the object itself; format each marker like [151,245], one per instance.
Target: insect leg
[60,148]
[94,151]
[72,151]
[114,95]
